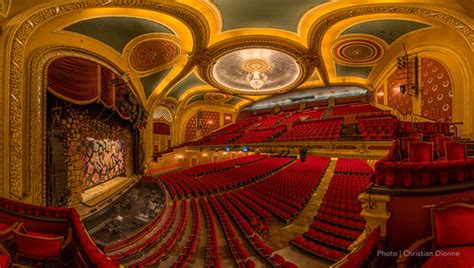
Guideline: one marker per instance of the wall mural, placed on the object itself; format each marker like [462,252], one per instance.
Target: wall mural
[436,90]
[397,100]
[103,160]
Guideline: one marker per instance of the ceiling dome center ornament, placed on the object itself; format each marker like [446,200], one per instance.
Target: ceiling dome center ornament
[256,70]
[256,65]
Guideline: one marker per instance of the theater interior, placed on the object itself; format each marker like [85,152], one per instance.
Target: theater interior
[219,133]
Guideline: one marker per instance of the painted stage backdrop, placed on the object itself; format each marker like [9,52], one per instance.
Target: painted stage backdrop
[103,160]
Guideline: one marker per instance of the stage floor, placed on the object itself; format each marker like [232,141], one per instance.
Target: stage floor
[97,197]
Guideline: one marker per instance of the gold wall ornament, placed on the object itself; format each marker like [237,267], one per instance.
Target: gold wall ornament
[287,47]
[5,7]
[21,31]
[320,26]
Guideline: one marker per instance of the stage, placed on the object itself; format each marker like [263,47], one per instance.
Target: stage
[97,197]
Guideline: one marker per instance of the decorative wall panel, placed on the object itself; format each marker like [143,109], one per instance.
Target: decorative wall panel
[436,91]
[380,95]
[208,121]
[397,100]
[191,128]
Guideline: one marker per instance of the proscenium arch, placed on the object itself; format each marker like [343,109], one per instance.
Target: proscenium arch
[35,129]
[16,36]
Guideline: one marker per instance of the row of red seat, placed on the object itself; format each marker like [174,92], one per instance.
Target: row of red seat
[221,138]
[424,127]
[180,184]
[329,129]
[239,253]
[287,191]
[167,245]
[52,222]
[352,166]
[377,129]
[338,222]
[259,135]
[221,166]
[256,221]
[254,239]
[353,109]
[357,258]
[192,240]
[420,170]
[212,250]
[156,235]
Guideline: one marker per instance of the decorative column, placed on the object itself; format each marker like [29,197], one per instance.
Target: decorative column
[374,210]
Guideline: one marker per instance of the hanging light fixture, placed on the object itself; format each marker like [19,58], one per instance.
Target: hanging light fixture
[256,76]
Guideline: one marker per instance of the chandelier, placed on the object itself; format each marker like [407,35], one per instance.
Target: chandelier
[256,76]
[256,79]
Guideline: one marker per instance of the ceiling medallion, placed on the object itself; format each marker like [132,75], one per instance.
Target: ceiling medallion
[357,51]
[255,71]
[216,98]
[153,54]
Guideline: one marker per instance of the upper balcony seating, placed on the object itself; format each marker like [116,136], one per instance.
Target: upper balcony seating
[422,169]
[352,166]
[39,245]
[259,135]
[353,109]
[223,138]
[58,221]
[377,129]
[424,127]
[405,142]
[329,129]
[453,239]
[310,114]
[268,121]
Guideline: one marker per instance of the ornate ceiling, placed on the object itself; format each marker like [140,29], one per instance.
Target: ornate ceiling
[233,53]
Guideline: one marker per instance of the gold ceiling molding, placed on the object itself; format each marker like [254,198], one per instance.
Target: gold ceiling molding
[214,98]
[320,26]
[306,60]
[358,50]
[28,22]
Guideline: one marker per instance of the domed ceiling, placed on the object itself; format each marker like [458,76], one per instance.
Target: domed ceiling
[255,71]
[234,53]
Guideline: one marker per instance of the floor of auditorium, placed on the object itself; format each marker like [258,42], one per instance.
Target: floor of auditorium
[278,236]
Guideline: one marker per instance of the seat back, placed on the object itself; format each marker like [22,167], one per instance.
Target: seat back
[440,145]
[419,135]
[455,150]
[452,225]
[420,151]
[35,246]
[405,142]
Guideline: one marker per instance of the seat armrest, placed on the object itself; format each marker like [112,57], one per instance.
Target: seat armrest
[403,259]
[68,239]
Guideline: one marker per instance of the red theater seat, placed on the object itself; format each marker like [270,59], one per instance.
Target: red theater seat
[440,146]
[455,150]
[420,151]
[4,257]
[405,142]
[36,245]
[453,238]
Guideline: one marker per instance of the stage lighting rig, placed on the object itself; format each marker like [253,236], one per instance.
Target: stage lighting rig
[409,64]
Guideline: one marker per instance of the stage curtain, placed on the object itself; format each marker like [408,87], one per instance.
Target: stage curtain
[107,93]
[74,79]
